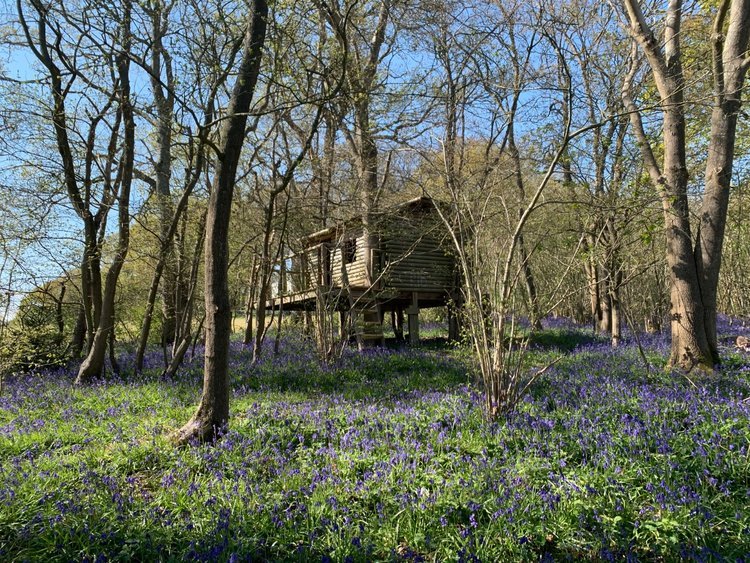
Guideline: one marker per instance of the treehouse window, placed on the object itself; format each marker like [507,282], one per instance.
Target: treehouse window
[350,250]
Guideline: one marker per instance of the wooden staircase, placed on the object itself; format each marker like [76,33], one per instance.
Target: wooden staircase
[368,322]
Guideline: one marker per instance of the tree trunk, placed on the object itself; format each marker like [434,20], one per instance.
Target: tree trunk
[213,412]
[267,260]
[148,316]
[282,293]
[715,205]
[161,265]
[730,68]
[164,101]
[615,310]
[112,352]
[397,323]
[250,306]
[693,272]
[78,182]
[368,180]
[361,81]
[605,303]
[93,266]
[528,275]
[689,342]
[592,282]
[59,310]
[79,334]
[91,282]
[87,335]
[368,185]
[93,365]
[186,319]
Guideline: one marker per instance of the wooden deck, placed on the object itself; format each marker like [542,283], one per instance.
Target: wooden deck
[339,298]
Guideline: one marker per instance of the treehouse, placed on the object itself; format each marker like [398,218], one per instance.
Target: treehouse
[400,264]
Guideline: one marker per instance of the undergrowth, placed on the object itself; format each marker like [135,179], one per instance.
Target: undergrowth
[385,456]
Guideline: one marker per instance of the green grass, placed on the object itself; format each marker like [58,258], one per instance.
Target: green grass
[385,457]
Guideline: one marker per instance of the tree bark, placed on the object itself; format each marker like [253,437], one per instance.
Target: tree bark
[523,256]
[166,246]
[693,272]
[213,412]
[164,102]
[730,63]
[43,49]
[93,365]
[268,257]
[59,318]
[79,334]
[361,82]
[186,319]
[250,303]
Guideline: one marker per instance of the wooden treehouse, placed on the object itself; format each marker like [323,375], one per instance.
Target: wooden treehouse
[402,263]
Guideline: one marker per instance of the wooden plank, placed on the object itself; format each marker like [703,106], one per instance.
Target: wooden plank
[419,280]
[418,273]
[437,267]
[421,287]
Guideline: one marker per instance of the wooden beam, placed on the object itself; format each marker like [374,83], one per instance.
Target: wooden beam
[413,312]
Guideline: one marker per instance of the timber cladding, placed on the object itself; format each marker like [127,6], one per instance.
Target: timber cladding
[415,262]
[351,250]
[407,250]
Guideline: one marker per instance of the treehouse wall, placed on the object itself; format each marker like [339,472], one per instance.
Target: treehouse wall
[352,250]
[415,261]
[298,273]
[304,269]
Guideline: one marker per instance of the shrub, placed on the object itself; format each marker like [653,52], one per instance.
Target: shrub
[30,348]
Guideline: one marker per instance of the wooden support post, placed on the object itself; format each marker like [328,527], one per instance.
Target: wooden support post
[452,324]
[397,322]
[413,312]
[454,319]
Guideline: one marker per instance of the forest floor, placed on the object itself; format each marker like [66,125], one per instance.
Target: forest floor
[386,456]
